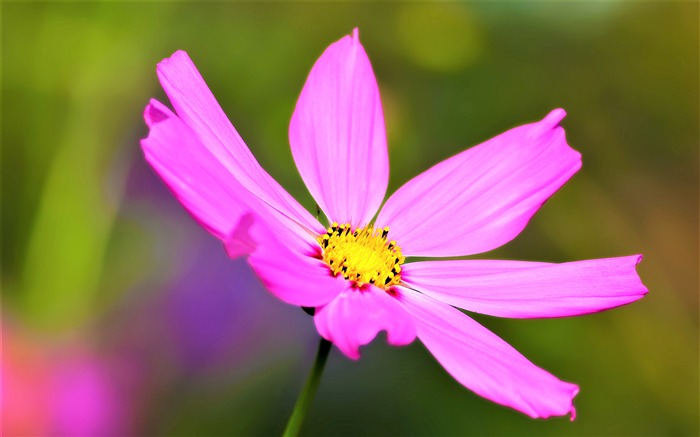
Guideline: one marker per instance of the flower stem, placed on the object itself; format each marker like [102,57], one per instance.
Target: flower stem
[309,390]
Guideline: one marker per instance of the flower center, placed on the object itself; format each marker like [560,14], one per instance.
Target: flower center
[363,255]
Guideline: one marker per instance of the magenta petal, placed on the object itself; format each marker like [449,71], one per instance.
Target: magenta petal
[194,175]
[483,197]
[206,188]
[292,273]
[529,289]
[198,109]
[356,316]
[484,363]
[337,134]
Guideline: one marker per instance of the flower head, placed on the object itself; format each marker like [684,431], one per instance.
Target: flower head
[354,272]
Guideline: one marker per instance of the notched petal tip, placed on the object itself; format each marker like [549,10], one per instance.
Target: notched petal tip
[643,290]
[155,112]
[554,117]
[177,56]
[560,411]
[550,124]
[572,411]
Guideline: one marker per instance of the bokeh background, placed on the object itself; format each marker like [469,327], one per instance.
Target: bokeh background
[120,316]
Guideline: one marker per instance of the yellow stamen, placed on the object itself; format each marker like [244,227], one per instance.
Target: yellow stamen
[362,255]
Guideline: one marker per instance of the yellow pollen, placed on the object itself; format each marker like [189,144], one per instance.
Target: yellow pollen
[363,255]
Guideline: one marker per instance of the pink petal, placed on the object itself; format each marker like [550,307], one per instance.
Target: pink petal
[483,197]
[337,134]
[198,109]
[484,363]
[206,189]
[356,316]
[295,275]
[528,289]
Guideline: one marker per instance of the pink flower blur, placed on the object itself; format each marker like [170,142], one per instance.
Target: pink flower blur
[473,202]
[67,392]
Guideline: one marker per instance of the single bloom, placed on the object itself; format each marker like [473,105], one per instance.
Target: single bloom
[354,271]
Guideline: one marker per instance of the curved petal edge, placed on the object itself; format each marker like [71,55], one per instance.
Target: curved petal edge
[486,364]
[338,137]
[356,316]
[522,289]
[197,179]
[483,197]
[197,107]
[294,274]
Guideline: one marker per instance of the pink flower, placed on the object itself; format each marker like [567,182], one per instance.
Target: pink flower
[67,391]
[355,272]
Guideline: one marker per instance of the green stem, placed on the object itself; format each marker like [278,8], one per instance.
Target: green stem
[307,393]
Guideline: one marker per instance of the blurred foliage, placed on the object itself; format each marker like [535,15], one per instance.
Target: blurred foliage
[90,240]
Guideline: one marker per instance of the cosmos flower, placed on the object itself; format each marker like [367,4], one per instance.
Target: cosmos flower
[355,272]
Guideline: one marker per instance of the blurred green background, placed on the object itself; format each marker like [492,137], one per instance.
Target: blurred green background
[98,258]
